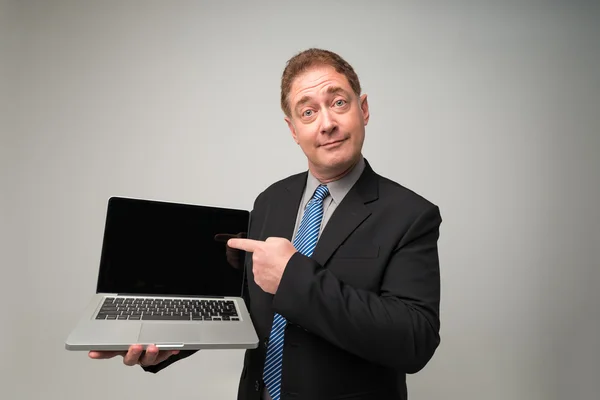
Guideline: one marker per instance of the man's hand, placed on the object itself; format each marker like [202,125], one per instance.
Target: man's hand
[136,355]
[269,259]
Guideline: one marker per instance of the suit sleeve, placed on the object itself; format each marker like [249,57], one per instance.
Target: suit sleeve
[397,327]
[182,354]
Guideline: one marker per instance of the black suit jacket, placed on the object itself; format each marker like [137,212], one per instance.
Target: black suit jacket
[363,310]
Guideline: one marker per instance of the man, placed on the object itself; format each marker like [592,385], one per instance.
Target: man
[342,265]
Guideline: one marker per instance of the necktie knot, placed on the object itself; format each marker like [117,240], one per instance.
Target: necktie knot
[321,192]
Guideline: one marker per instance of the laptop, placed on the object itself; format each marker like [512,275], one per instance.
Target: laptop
[166,278]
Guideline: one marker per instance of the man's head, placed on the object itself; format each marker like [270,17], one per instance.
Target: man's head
[324,109]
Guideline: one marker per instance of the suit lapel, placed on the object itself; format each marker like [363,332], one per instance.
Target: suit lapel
[348,215]
[284,210]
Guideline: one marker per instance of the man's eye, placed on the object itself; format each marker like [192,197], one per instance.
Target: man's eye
[307,113]
[340,103]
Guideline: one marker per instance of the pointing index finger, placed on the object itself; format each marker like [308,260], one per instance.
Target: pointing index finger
[244,244]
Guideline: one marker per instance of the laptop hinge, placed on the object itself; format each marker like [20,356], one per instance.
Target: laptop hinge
[169,295]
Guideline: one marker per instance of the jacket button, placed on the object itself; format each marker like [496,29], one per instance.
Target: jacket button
[256,386]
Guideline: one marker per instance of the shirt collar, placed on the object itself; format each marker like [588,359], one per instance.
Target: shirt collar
[337,189]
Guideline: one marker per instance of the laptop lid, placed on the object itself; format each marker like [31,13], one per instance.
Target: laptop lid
[161,248]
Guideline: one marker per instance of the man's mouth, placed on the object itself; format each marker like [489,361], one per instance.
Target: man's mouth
[333,143]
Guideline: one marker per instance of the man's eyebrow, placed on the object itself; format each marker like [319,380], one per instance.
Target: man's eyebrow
[303,100]
[336,89]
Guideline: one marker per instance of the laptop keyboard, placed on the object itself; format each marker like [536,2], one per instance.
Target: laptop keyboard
[136,308]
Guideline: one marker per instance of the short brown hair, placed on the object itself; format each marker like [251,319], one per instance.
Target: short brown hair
[310,58]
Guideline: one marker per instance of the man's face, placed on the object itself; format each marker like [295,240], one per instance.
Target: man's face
[327,120]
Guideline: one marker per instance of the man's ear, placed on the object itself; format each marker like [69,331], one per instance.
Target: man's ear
[364,107]
[292,129]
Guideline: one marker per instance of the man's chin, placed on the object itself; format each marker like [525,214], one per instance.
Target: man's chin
[338,162]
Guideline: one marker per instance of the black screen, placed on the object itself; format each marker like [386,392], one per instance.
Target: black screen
[163,248]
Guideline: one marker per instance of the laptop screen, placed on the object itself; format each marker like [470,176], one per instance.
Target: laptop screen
[161,248]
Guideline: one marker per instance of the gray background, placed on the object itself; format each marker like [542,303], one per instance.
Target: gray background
[489,109]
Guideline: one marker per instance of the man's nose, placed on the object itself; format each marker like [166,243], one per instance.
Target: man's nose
[328,123]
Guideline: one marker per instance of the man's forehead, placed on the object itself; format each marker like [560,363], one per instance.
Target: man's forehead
[317,78]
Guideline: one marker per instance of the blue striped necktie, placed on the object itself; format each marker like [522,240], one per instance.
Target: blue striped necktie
[305,242]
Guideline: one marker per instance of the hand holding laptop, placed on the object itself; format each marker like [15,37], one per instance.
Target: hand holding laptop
[136,355]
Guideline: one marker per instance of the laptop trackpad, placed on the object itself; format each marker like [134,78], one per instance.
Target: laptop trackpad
[169,334]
